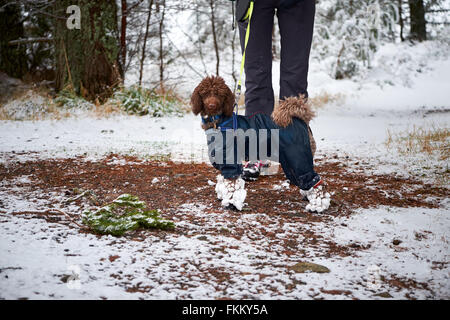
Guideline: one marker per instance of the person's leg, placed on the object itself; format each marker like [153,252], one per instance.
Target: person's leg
[296,30]
[259,97]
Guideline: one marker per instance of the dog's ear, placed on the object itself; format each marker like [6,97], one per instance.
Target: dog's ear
[228,103]
[196,101]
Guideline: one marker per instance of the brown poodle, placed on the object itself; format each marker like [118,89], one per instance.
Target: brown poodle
[213,97]
[214,101]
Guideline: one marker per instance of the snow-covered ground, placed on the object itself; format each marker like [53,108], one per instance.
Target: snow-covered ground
[35,255]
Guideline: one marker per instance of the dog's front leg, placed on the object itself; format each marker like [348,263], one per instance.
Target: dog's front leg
[231,192]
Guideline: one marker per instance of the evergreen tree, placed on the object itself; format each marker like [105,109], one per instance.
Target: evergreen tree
[87,59]
[13,59]
[38,25]
[350,32]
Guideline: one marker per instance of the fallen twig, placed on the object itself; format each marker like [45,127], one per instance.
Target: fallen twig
[67,216]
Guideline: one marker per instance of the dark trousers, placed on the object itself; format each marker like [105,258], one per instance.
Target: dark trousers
[296,23]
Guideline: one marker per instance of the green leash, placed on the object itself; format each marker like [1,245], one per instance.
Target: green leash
[247,36]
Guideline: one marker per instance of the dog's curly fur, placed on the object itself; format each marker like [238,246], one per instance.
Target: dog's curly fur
[292,107]
[298,107]
[212,97]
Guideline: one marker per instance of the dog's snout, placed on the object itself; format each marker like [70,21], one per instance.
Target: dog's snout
[212,104]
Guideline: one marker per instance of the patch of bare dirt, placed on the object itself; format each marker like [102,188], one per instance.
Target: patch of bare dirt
[188,183]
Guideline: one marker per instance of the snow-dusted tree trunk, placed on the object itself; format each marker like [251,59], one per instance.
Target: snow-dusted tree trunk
[417,18]
[214,34]
[400,19]
[161,8]
[144,45]
[123,33]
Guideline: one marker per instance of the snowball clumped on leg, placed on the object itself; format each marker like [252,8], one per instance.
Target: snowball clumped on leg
[231,192]
[319,200]
[220,187]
